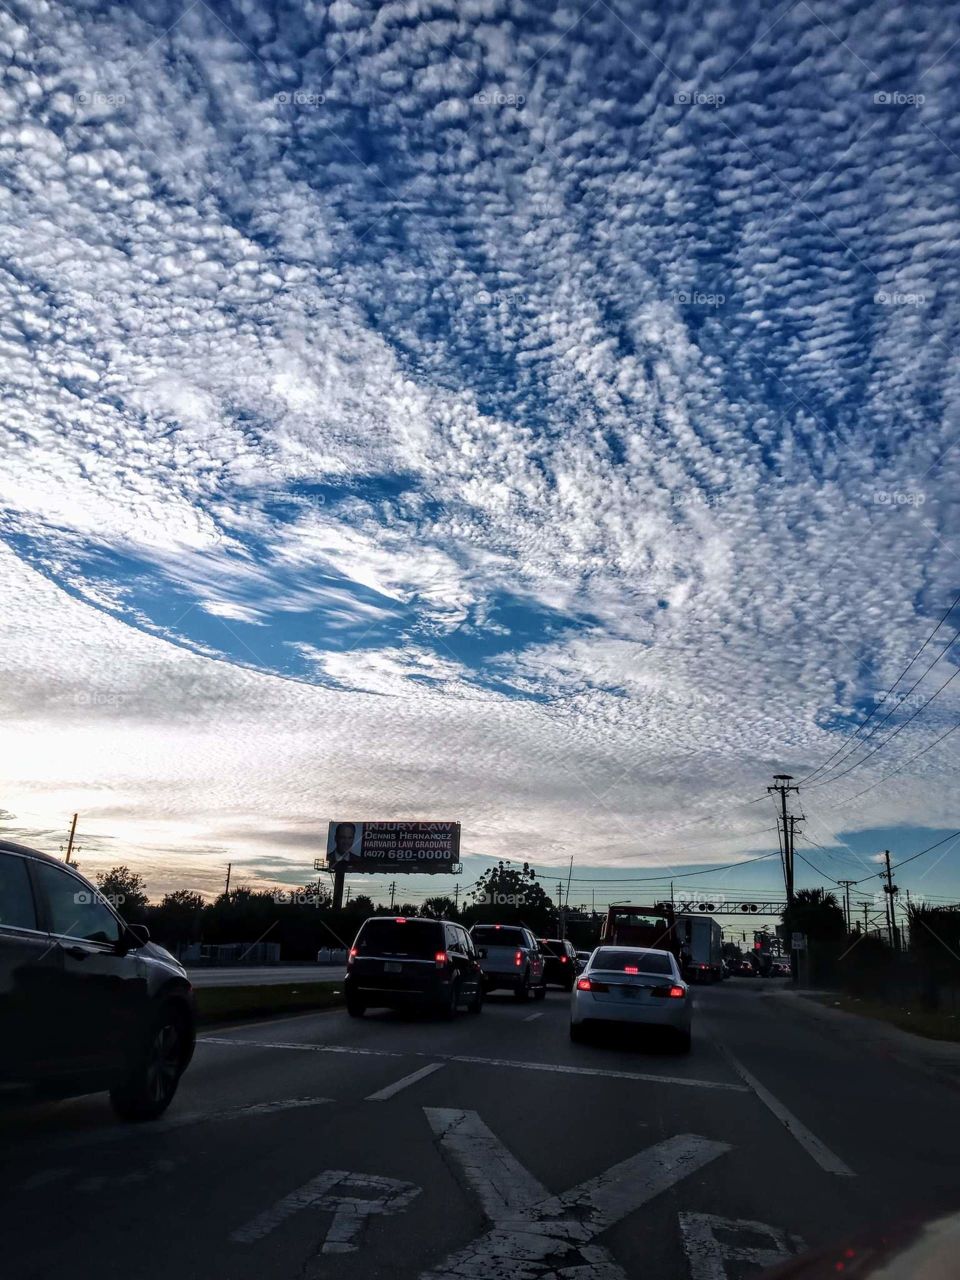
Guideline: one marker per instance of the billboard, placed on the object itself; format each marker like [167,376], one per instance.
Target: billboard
[421,847]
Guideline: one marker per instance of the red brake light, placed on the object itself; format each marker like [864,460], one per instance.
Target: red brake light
[630,968]
[496,926]
[676,993]
[441,959]
[563,959]
[352,956]
[518,958]
[583,984]
[401,919]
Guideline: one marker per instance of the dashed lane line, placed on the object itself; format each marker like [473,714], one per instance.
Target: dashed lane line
[477,1060]
[404,1082]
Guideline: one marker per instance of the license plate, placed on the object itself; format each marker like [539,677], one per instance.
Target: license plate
[391,966]
[629,993]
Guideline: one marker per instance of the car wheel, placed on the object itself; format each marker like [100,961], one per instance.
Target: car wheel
[578,1033]
[523,991]
[476,1004]
[356,1008]
[448,1009]
[149,1086]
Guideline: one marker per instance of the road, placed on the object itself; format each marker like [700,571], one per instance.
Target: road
[489,1148]
[273,975]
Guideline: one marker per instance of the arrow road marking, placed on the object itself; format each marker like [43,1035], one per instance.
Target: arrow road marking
[539,1236]
[334,1191]
[752,1242]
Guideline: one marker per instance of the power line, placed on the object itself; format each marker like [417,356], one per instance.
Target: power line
[913,857]
[888,692]
[856,795]
[900,700]
[899,729]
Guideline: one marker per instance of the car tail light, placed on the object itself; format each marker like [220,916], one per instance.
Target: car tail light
[352,956]
[672,993]
[563,959]
[441,958]
[583,984]
[401,919]
[630,968]
[591,984]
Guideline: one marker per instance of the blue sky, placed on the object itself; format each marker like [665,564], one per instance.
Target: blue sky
[544,417]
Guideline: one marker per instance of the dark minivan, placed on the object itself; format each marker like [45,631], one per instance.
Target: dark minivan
[403,962]
[87,1002]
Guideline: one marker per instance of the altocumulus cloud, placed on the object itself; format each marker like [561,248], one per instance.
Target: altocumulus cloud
[517,412]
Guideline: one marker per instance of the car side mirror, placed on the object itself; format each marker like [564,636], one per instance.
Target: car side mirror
[137,935]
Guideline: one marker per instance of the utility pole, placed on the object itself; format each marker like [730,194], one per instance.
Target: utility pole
[393,890]
[846,902]
[866,908]
[73,832]
[226,888]
[560,917]
[783,784]
[891,890]
[456,897]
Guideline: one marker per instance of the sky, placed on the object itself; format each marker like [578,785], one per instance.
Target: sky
[538,416]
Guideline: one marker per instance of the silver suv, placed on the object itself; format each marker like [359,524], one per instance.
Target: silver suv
[510,958]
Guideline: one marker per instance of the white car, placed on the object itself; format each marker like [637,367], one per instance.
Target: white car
[631,985]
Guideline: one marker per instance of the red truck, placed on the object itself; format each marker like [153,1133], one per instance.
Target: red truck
[630,926]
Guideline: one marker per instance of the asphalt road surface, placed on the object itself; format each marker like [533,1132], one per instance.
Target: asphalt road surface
[489,1148]
[254,976]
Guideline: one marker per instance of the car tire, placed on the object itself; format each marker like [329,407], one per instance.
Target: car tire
[476,1004]
[151,1081]
[522,993]
[578,1033]
[356,1008]
[448,1009]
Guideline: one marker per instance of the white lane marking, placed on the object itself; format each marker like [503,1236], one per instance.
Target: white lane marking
[537,1235]
[333,1192]
[404,1082]
[706,1254]
[601,1071]
[559,1068]
[533,1017]
[824,1157]
[310,1048]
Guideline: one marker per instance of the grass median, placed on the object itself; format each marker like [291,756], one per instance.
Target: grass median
[922,1022]
[216,1004]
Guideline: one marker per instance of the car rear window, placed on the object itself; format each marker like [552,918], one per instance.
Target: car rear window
[642,961]
[553,945]
[490,936]
[421,939]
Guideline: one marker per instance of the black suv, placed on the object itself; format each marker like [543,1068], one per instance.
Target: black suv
[560,966]
[87,1002]
[402,962]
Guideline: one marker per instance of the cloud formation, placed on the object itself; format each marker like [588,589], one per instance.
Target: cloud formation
[560,402]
